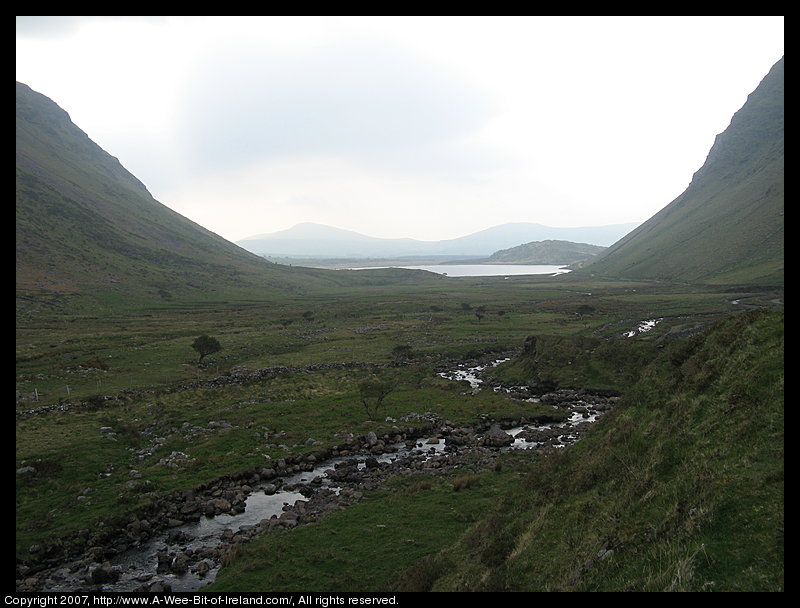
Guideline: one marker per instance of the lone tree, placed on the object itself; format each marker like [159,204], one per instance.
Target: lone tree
[402,352]
[373,391]
[206,345]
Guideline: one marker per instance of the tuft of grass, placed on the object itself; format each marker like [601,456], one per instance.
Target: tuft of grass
[464,482]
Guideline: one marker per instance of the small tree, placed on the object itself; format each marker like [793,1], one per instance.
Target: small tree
[402,352]
[373,391]
[480,312]
[205,345]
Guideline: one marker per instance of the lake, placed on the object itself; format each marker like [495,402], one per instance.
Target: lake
[482,270]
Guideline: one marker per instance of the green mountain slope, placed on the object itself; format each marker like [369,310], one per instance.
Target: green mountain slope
[86,227]
[679,488]
[727,227]
[546,252]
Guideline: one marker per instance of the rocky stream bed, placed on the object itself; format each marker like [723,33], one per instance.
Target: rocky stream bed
[180,541]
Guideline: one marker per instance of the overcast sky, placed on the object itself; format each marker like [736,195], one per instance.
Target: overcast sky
[422,127]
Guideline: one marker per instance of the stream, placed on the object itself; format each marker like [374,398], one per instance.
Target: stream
[185,557]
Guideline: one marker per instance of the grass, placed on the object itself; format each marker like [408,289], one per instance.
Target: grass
[680,488]
[365,546]
[142,360]
[146,346]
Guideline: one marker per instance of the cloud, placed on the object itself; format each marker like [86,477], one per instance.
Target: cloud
[47,27]
[430,127]
[364,101]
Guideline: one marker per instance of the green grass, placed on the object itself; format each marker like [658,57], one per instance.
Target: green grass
[365,546]
[148,346]
[680,488]
[83,478]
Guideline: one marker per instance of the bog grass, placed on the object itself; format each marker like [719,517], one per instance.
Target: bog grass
[138,376]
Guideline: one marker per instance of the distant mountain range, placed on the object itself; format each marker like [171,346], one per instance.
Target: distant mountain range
[320,241]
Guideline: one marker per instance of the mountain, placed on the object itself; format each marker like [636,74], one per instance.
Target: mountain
[84,222]
[727,226]
[546,252]
[86,227]
[316,240]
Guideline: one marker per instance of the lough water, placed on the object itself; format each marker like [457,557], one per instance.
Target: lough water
[482,270]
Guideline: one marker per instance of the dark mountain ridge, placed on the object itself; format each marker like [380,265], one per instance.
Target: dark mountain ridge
[727,226]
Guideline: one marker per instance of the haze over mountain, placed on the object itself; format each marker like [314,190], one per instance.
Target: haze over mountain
[316,240]
[727,226]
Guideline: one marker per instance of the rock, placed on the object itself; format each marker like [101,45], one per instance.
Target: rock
[220,505]
[163,561]
[189,507]
[203,567]
[157,587]
[180,564]
[104,573]
[496,437]
[214,424]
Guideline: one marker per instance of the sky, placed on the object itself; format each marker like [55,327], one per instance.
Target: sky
[423,127]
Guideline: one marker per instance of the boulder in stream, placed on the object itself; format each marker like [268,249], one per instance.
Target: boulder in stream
[496,437]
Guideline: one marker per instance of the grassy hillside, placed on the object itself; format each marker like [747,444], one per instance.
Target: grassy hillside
[546,252]
[727,227]
[87,230]
[679,489]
